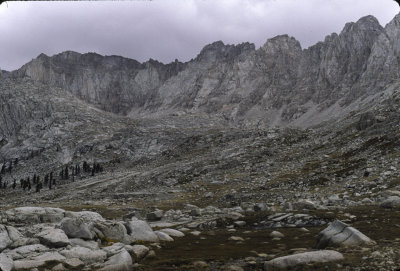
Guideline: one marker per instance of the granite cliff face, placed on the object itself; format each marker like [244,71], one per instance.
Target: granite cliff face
[277,84]
[112,83]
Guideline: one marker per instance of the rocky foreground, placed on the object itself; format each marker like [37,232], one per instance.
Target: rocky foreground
[45,238]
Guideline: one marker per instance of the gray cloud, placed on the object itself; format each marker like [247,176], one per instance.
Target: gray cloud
[169,29]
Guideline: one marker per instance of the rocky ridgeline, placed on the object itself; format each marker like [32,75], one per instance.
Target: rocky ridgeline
[279,83]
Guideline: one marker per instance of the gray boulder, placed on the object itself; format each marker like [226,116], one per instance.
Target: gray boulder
[260,207]
[173,232]
[392,202]
[51,256]
[86,255]
[113,249]
[155,215]
[53,238]
[141,231]
[162,236]
[111,231]
[86,216]
[77,228]
[27,264]
[304,204]
[74,263]
[119,262]
[76,242]
[6,263]
[5,239]
[321,256]
[14,234]
[341,234]
[140,251]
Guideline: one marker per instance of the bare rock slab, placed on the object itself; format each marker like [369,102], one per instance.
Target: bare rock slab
[86,255]
[53,238]
[320,256]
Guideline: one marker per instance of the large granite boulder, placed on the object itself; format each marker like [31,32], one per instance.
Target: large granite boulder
[6,262]
[320,256]
[140,251]
[141,231]
[341,234]
[53,238]
[110,231]
[77,228]
[119,262]
[392,202]
[5,239]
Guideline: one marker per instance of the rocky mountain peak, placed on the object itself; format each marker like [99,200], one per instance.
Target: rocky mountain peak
[218,50]
[282,43]
[368,22]
[42,56]
[367,27]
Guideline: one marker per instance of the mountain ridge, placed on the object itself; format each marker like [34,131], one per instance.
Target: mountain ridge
[276,84]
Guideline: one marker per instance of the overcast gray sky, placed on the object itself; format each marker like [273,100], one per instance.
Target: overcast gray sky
[169,29]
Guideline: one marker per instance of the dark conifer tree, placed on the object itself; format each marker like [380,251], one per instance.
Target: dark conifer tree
[1,180]
[3,169]
[46,179]
[66,173]
[85,166]
[14,185]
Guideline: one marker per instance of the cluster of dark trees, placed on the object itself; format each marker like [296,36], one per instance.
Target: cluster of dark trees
[67,172]
[8,166]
